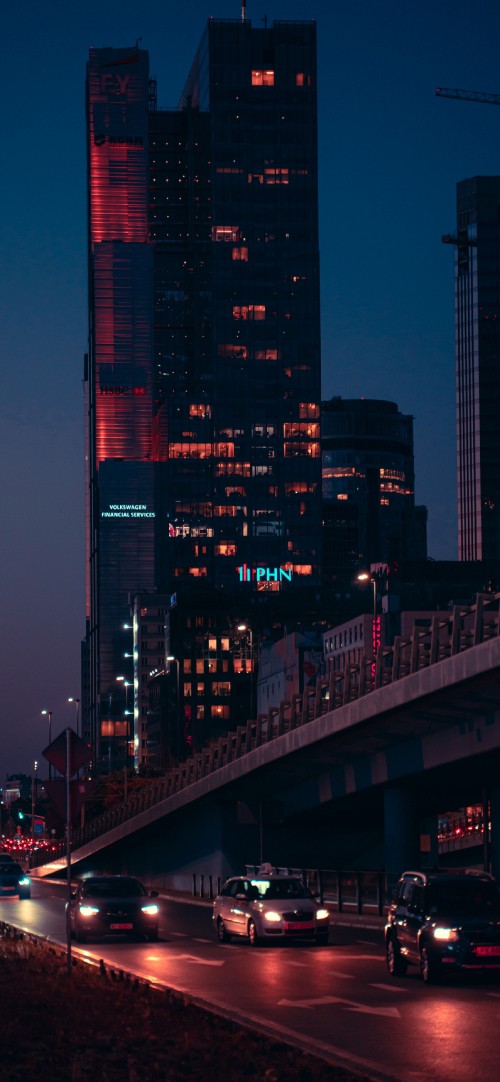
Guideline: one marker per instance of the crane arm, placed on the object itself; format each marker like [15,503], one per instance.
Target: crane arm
[468,95]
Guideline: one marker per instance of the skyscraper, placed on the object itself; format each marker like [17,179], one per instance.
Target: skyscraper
[369,512]
[477,342]
[204,367]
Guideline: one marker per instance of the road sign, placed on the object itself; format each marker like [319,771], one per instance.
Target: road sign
[56,753]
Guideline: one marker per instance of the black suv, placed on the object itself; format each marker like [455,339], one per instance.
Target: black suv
[443,921]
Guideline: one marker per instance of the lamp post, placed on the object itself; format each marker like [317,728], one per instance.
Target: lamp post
[77,704]
[249,632]
[33,802]
[49,712]
[364,576]
[170,658]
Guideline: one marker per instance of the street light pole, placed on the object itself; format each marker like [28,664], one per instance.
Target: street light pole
[77,704]
[364,576]
[49,712]
[245,627]
[33,802]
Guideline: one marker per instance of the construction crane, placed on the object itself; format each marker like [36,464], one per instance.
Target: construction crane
[468,95]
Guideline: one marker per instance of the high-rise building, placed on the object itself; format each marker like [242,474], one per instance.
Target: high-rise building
[477,343]
[203,386]
[369,512]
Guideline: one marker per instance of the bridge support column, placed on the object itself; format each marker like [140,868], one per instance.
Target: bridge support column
[400,833]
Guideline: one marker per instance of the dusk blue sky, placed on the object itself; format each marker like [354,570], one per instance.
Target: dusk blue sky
[390,156]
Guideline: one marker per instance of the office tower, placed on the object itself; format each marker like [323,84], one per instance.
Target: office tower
[369,513]
[204,370]
[477,342]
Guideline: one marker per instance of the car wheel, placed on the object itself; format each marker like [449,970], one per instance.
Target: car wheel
[396,964]
[152,936]
[429,969]
[322,939]
[81,937]
[222,935]
[253,938]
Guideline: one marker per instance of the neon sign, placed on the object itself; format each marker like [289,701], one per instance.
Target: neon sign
[128,510]
[264,574]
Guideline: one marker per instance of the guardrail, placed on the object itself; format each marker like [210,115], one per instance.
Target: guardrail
[467,626]
[357,892]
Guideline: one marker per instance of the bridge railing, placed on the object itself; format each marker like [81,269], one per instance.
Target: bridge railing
[465,627]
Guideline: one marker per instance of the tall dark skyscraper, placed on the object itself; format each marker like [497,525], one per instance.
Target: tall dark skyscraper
[477,339]
[203,389]
[369,512]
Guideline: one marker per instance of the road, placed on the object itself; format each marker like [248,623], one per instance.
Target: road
[337,1000]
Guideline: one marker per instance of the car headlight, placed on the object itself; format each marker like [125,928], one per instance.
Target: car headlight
[151,910]
[272,916]
[448,934]
[24,882]
[322,914]
[88,910]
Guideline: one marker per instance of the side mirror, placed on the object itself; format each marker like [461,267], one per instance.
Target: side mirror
[241,897]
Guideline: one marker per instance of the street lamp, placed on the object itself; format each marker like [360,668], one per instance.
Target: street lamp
[49,712]
[77,704]
[364,576]
[248,630]
[170,658]
[33,802]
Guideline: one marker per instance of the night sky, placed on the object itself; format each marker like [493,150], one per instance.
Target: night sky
[390,156]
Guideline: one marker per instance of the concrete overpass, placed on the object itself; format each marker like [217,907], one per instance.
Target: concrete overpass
[351,774]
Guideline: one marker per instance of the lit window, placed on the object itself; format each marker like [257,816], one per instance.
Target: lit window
[267,355]
[186,665]
[200,411]
[240,254]
[187,691]
[220,712]
[226,233]
[276,176]
[262,78]
[342,496]
[200,666]
[249,311]
[227,350]
[302,80]
[308,409]
[385,502]
[200,712]
[225,549]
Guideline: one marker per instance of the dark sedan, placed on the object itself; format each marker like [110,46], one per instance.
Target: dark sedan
[13,881]
[113,905]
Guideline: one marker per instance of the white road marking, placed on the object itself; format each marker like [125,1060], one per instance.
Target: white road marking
[202,940]
[346,1004]
[388,987]
[302,965]
[368,943]
[195,959]
[180,935]
[344,976]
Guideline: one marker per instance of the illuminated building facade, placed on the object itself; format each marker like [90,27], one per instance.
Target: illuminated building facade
[369,513]
[477,347]
[203,389]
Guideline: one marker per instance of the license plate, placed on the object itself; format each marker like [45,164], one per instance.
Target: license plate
[8,890]
[487,952]
[298,926]
[121,927]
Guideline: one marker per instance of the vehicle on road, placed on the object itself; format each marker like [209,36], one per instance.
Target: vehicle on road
[13,881]
[267,908]
[112,905]
[443,922]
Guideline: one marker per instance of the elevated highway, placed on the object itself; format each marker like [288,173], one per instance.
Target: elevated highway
[353,773]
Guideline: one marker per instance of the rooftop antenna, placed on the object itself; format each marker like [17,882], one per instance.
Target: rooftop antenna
[243,10]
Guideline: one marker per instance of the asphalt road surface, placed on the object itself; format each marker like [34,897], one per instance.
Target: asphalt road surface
[338,1001]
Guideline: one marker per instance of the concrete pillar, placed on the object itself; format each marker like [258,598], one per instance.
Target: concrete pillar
[401,837]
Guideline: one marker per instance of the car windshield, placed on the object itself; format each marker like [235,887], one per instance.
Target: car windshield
[464,898]
[10,869]
[114,888]
[281,888]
